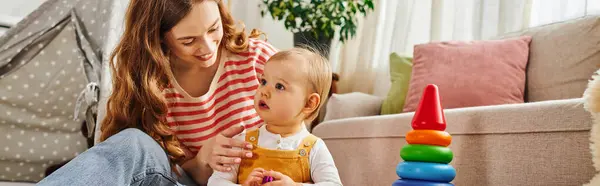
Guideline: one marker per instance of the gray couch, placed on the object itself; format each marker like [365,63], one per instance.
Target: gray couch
[544,141]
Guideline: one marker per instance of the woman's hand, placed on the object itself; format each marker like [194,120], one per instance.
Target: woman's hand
[221,153]
[280,179]
[254,178]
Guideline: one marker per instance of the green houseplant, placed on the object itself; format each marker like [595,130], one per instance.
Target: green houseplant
[314,22]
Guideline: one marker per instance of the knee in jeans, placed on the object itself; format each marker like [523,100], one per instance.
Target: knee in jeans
[137,137]
[138,142]
[133,132]
[141,151]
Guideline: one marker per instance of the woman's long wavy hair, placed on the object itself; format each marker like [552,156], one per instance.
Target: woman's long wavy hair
[139,67]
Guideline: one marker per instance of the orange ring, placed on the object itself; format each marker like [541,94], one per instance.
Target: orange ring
[429,137]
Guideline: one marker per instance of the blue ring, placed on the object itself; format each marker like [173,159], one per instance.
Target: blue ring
[435,172]
[405,182]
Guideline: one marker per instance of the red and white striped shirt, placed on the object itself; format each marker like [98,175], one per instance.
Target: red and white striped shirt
[228,102]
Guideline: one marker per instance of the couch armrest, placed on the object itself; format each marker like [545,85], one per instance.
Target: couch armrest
[541,143]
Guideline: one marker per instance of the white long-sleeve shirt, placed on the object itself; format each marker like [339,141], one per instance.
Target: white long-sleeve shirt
[322,167]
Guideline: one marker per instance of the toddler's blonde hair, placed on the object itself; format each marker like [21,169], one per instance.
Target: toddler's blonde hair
[318,73]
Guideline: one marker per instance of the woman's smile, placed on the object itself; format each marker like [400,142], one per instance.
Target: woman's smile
[205,57]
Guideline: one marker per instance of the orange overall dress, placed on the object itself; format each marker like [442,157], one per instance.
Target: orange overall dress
[292,163]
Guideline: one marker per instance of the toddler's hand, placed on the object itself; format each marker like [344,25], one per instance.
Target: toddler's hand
[254,178]
[279,179]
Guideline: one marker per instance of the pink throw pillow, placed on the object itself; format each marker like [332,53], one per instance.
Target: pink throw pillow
[470,73]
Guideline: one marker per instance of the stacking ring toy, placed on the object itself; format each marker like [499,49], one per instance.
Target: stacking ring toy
[429,137]
[435,172]
[408,182]
[426,153]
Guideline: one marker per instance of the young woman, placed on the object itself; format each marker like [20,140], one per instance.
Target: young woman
[183,84]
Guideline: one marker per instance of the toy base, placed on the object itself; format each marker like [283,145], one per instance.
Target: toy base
[408,182]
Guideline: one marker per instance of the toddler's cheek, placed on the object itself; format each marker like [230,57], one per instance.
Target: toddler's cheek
[284,112]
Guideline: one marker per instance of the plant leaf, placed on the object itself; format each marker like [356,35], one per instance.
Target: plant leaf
[319,17]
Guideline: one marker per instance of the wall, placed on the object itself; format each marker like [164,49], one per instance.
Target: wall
[248,12]
[14,10]
[19,8]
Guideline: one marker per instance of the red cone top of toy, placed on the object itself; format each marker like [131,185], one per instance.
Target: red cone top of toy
[429,115]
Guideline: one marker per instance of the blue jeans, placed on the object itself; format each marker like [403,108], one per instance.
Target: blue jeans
[130,157]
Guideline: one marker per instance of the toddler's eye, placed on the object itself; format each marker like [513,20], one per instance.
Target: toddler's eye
[279,86]
[263,82]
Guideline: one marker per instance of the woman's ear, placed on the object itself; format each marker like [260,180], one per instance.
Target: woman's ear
[312,103]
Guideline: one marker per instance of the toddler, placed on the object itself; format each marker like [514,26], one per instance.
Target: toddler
[293,87]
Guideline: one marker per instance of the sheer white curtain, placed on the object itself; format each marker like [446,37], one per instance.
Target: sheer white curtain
[397,25]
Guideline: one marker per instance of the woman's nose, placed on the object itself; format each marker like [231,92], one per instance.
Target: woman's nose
[206,46]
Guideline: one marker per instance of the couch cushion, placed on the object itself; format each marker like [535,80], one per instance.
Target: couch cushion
[562,58]
[354,104]
[470,73]
[400,70]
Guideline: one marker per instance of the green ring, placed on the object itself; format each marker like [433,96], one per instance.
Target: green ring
[426,153]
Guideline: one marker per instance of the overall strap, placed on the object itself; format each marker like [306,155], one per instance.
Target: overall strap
[307,143]
[252,137]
